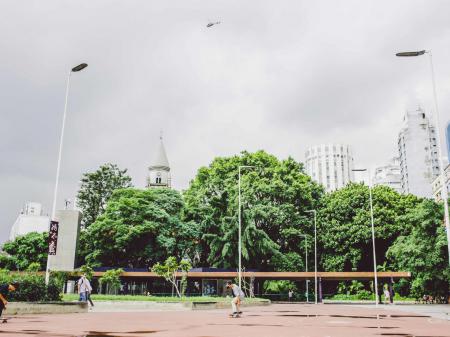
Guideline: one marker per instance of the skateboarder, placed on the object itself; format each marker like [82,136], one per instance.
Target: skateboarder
[5,289]
[238,297]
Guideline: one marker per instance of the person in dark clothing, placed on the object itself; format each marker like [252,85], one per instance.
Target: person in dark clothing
[5,289]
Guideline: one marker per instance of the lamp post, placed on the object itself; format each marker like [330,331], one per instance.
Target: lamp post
[306,265]
[58,166]
[240,224]
[315,253]
[444,193]
[373,235]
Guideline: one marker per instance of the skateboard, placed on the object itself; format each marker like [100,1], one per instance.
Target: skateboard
[5,320]
[236,315]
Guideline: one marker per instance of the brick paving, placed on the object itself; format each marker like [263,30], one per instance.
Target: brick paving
[278,320]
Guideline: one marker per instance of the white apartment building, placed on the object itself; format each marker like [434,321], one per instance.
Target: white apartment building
[389,175]
[436,185]
[30,220]
[330,165]
[419,159]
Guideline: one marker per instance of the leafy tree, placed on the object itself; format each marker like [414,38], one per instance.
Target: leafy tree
[97,187]
[169,270]
[275,195]
[140,228]
[423,251]
[28,249]
[85,269]
[344,229]
[111,278]
[34,266]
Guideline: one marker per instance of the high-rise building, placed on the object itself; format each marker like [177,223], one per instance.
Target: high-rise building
[447,138]
[419,159]
[389,175]
[30,220]
[159,170]
[437,184]
[330,165]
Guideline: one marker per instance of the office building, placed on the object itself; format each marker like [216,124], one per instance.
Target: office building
[389,175]
[419,159]
[30,219]
[330,165]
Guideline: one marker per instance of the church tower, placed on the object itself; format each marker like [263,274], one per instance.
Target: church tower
[159,170]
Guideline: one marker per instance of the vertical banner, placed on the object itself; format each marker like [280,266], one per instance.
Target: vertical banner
[53,237]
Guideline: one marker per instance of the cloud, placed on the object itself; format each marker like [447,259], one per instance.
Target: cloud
[279,76]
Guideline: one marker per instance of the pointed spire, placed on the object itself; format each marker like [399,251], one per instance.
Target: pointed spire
[160,160]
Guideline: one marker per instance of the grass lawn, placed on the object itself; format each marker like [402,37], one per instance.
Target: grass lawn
[342,297]
[99,297]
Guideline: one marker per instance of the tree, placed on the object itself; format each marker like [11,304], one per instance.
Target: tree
[423,251]
[111,278]
[97,187]
[275,195]
[169,271]
[344,229]
[28,249]
[140,228]
[88,271]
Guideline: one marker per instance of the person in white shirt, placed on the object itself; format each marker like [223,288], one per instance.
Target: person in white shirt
[84,289]
[387,296]
[237,299]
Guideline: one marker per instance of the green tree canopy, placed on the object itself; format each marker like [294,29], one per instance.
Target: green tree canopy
[140,228]
[28,249]
[97,187]
[423,251]
[275,195]
[344,227]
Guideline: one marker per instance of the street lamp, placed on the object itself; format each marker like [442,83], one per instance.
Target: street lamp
[58,166]
[240,224]
[373,234]
[315,253]
[306,265]
[444,192]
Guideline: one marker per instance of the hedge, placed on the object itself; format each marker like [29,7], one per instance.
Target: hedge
[32,287]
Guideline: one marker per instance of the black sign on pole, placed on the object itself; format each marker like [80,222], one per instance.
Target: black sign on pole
[53,237]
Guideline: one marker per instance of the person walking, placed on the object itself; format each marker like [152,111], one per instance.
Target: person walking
[5,289]
[85,289]
[238,297]
[387,296]
[290,294]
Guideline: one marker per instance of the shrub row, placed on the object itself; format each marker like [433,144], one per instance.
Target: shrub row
[32,287]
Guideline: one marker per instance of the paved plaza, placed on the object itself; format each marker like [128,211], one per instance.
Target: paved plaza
[278,320]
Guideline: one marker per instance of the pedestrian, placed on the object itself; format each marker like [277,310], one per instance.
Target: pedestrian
[85,289]
[290,294]
[387,295]
[238,297]
[5,289]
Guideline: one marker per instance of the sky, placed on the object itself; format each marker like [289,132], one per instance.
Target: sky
[274,75]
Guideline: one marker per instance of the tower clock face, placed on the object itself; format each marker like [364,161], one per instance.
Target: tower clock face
[158,174]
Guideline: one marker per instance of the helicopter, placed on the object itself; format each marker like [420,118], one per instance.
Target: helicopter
[212,24]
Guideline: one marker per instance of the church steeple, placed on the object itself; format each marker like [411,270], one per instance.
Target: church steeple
[159,170]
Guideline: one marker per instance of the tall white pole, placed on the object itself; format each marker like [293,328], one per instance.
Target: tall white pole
[444,193]
[239,230]
[373,241]
[58,167]
[306,267]
[315,256]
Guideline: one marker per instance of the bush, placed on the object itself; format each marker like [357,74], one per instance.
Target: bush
[364,295]
[32,287]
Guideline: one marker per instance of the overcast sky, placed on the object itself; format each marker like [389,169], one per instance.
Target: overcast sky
[274,75]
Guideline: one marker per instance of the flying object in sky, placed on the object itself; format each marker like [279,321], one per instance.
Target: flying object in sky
[212,24]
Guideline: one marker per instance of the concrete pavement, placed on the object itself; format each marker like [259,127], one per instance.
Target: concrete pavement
[279,320]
